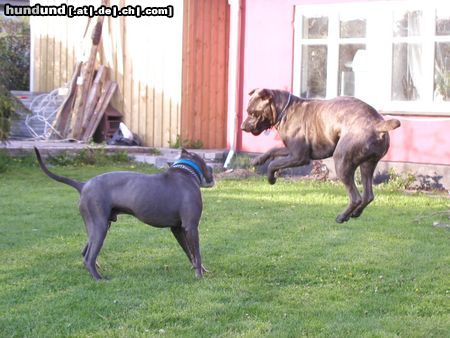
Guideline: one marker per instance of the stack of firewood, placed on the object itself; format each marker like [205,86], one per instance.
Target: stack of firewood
[89,94]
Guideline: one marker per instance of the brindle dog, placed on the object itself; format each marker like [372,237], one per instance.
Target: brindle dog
[348,129]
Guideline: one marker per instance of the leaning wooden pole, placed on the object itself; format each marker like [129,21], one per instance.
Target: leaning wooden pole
[84,82]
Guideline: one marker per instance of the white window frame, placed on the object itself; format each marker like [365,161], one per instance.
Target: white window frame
[379,42]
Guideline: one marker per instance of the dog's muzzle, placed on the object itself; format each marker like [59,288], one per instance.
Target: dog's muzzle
[208,179]
[249,128]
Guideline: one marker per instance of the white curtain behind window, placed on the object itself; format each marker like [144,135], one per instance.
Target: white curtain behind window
[413,81]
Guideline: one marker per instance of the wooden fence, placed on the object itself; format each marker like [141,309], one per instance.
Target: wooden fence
[144,56]
[172,72]
[205,70]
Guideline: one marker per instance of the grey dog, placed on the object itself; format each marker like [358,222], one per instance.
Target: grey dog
[169,199]
[348,129]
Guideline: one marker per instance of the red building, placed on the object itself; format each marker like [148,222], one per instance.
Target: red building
[394,55]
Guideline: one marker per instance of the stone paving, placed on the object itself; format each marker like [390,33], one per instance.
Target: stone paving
[156,156]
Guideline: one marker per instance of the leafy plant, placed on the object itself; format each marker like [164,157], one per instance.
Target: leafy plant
[7,161]
[185,143]
[88,157]
[8,107]
[399,182]
[241,161]
[15,52]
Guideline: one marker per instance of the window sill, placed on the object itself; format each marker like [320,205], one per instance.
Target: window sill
[415,108]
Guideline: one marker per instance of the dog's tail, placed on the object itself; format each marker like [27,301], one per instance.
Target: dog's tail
[388,125]
[73,183]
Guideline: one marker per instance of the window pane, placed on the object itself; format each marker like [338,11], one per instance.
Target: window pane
[442,72]
[314,71]
[406,72]
[442,24]
[348,65]
[315,28]
[407,23]
[353,28]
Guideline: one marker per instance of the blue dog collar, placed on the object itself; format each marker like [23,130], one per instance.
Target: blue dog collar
[191,164]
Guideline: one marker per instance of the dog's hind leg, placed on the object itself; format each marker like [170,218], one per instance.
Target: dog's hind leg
[83,253]
[97,223]
[179,234]
[86,249]
[97,234]
[345,171]
[192,243]
[367,170]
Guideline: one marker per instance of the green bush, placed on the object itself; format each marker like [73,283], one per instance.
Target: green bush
[185,143]
[8,106]
[4,161]
[85,157]
[7,161]
[88,157]
[398,182]
[15,53]
[241,161]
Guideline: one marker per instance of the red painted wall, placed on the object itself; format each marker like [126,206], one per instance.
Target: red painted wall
[267,58]
[420,140]
[267,62]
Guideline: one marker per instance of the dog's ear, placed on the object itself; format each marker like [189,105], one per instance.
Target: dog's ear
[274,112]
[184,151]
[268,95]
[265,94]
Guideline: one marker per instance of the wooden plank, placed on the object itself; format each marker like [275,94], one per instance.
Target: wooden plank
[65,72]
[44,68]
[70,47]
[142,130]
[118,33]
[188,96]
[149,139]
[37,50]
[198,69]
[204,131]
[102,104]
[134,127]
[222,77]
[50,81]
[204,72]
[166,120]
[185,68]
[87,73]
[213,108]
[158,121]
[127,76]
[93,97]
[134,79]
[174,121]
[62,118]
[57,65]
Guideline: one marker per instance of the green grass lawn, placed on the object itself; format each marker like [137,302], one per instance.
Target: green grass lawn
[279,265]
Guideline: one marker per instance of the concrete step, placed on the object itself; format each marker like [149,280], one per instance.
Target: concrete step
[158,157]
[214,158]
